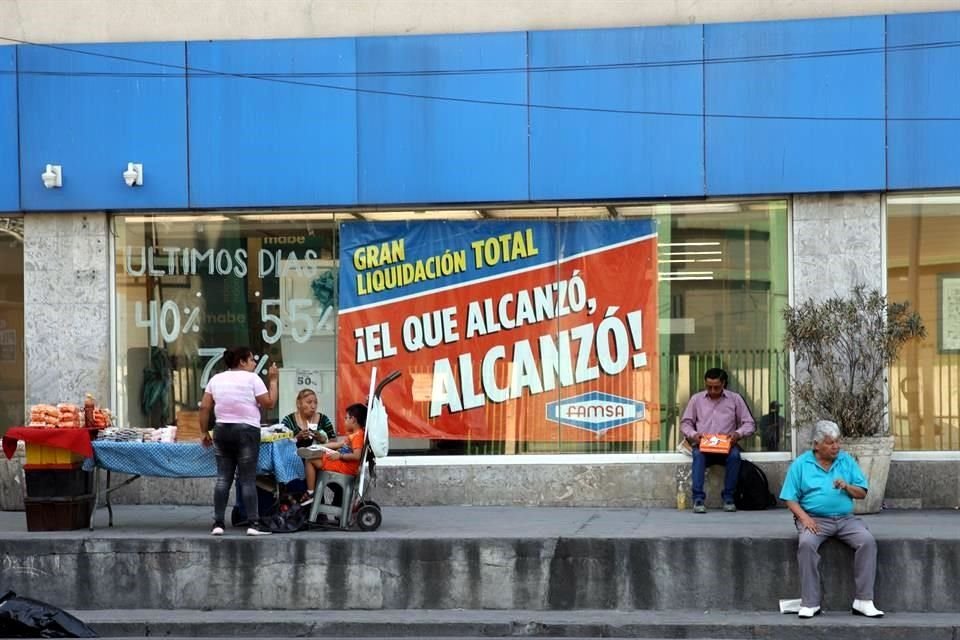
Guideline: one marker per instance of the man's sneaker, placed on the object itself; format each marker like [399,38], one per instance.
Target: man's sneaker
[699,507]
[866,608]
[729,507]
[306,499]
[258,530]
[217,530]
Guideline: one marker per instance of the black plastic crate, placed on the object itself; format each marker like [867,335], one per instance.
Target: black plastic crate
[58,483]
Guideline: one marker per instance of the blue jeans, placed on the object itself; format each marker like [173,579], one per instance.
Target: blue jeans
[731,473]
[237,447]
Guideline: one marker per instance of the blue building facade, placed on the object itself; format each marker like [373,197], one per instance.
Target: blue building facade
[797,123]
[828,105]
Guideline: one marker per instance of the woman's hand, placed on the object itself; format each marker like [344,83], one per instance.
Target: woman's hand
[273,373]
[207,441]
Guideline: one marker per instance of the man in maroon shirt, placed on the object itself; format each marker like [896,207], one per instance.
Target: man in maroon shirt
[716,410]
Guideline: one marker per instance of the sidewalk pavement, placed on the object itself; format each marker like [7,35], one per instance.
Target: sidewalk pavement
[167,521]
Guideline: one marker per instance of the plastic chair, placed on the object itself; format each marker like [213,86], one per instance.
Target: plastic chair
[346,484]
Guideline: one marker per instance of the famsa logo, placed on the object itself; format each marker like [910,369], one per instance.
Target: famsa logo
[596,411]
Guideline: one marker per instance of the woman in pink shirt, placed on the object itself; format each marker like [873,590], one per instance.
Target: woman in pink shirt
[236,397]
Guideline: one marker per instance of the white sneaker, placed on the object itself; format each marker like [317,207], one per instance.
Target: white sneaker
[257,531]
[865,608]
[808,612]
[217,531]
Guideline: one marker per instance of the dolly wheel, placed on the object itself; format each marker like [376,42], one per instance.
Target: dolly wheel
[364,503]
[369,518]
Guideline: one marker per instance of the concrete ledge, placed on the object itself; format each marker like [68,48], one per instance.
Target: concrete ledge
[645,485]
[474,559]
[912,485]
[485,624]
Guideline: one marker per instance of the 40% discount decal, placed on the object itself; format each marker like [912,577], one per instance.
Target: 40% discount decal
[167,321]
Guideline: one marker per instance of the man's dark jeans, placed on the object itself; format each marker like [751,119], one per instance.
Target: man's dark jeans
[731,474]
[237,447]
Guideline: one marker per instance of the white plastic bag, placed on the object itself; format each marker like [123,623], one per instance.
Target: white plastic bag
[378,432]
[790,605]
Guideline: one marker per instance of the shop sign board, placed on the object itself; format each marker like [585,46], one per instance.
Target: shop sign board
[541,331]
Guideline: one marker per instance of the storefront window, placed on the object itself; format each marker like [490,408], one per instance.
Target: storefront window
[11,322]
[518,330]
[189,287]
[723,285]
[923,267]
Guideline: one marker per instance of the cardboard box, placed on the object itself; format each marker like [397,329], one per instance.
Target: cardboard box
[188,426]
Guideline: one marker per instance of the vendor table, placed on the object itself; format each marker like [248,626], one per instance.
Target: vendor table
[179,460]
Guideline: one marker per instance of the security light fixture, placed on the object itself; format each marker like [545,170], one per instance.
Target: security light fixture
[133,176]
[52,177]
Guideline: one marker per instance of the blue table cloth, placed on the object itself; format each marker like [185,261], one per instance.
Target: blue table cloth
[189,459]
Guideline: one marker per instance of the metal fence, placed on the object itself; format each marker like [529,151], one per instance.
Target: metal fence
[925,404]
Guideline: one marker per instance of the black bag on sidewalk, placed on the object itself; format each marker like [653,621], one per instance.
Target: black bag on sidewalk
[753,492]
[28,618]
[290,519]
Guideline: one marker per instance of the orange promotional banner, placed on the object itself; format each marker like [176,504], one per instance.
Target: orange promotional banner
[503,330]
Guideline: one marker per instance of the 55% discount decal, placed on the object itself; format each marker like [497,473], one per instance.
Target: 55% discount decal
[299,319]
[166,321]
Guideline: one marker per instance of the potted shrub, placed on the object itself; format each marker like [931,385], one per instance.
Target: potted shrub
[843,347]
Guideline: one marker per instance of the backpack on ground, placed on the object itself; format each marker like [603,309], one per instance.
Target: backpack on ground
[753,492]
[290,519]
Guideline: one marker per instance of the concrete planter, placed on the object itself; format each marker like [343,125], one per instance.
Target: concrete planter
[873,456]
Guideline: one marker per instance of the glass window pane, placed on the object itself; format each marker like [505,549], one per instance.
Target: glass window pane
[723,285]
[923,267]
[719,285]
[189,287]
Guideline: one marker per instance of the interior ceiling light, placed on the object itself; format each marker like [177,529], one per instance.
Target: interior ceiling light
[455,214]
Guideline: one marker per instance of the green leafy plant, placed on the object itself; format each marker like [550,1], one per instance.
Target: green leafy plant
[843,347]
